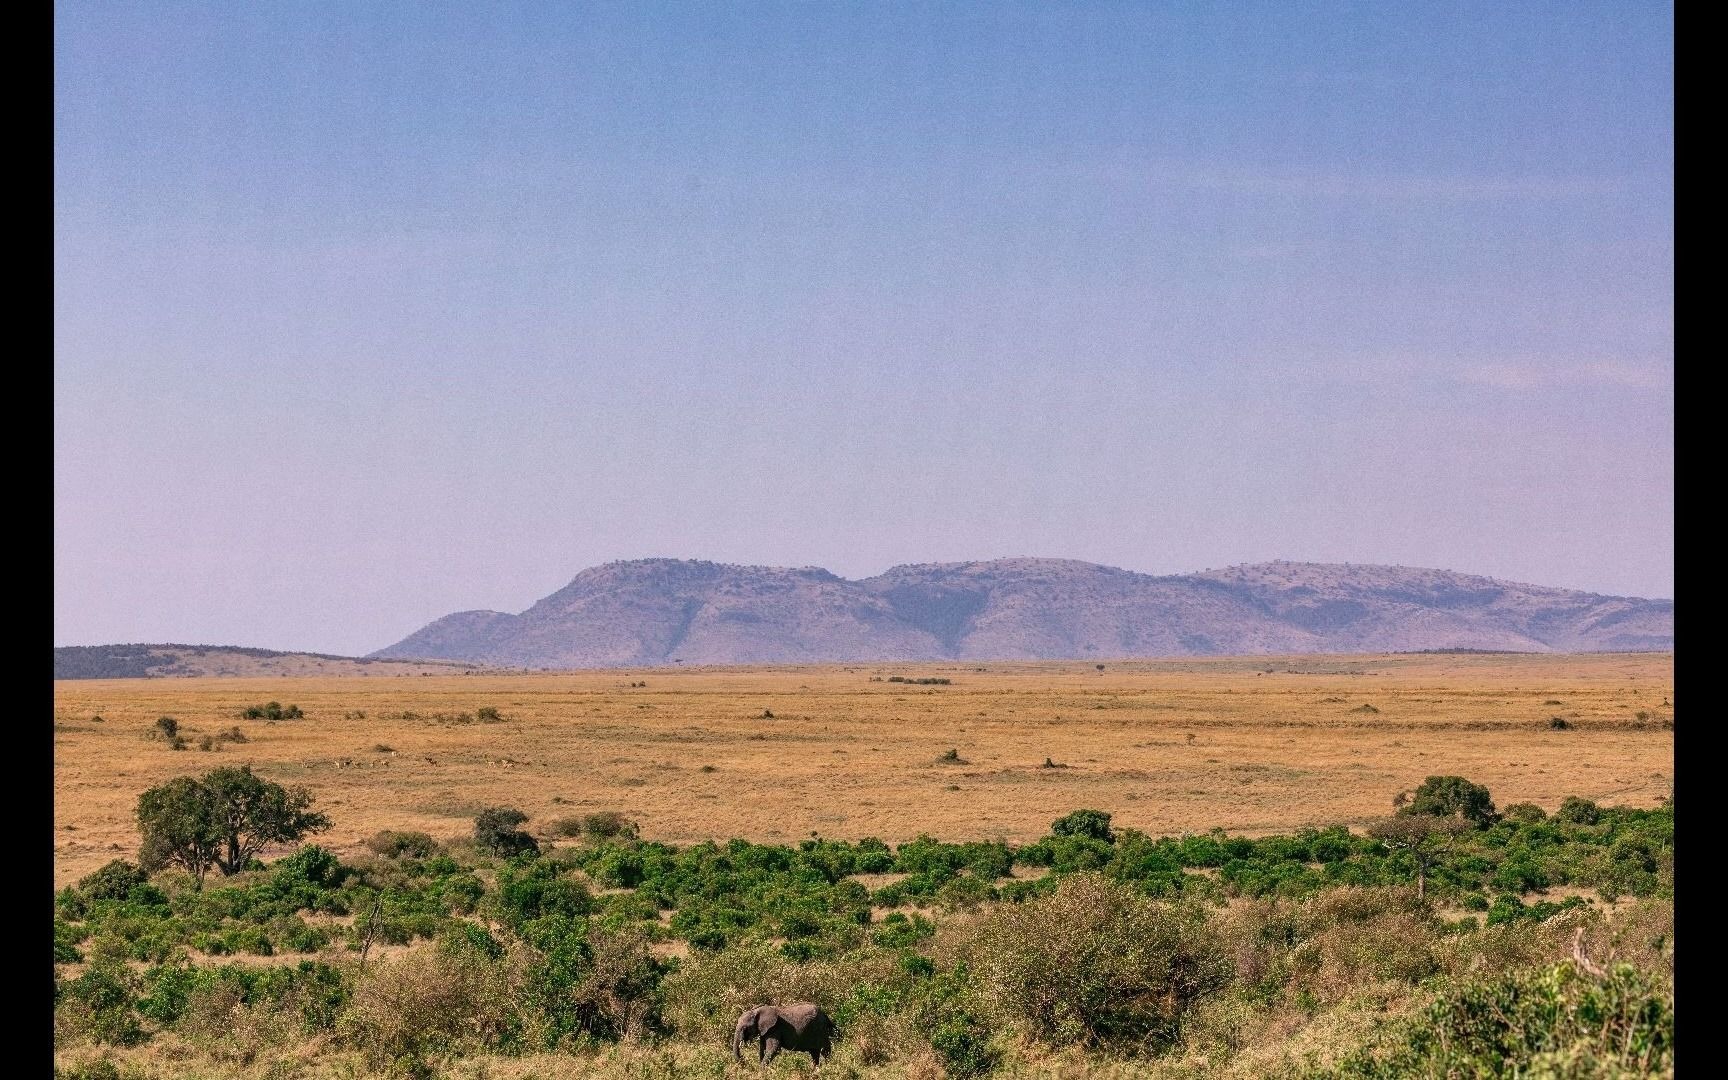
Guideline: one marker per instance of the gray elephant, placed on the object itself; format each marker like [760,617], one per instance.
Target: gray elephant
[799,1027]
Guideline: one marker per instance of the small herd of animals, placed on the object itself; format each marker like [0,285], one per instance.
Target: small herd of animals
[801,1028]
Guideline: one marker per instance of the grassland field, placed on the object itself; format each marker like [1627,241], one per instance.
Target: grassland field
[1253,745]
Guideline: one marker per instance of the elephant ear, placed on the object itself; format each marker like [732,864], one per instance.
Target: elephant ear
[766,1017]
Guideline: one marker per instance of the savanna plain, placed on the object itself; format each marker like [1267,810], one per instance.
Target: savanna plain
[1414,864]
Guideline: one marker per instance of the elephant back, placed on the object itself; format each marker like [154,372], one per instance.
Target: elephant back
[806,1017]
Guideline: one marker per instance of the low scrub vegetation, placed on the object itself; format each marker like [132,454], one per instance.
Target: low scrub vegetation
[1096,946]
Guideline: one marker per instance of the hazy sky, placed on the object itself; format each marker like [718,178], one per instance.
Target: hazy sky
[366,313]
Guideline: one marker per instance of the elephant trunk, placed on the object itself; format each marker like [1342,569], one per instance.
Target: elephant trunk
[738,1043]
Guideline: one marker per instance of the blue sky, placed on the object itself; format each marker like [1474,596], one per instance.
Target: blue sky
[369,313]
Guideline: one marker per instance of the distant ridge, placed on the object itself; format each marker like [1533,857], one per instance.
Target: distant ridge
[664,611]
[185,661]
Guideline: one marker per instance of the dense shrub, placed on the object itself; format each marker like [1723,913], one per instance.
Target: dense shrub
[1576,811]
[403,845]
[1553,1022]
[1091,823]
[495,831]
[428,1001]
[1452,796]
[100,1005]
[1093,962]
[114,881]
[610,825]
[1525,813]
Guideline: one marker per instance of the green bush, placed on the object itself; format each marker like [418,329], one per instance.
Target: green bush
[114,881]
[1577,811]
[1452,796]
[1094,963]
[1553,1022]
[1090,823]
[958,1031]
[897,930]
[403,845]
[100,1004]
[610,825]
[495,830]
[66,939]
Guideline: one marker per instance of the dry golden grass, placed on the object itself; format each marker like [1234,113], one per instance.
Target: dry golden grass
[1254,745]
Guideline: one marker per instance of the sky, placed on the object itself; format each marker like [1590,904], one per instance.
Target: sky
[368,313]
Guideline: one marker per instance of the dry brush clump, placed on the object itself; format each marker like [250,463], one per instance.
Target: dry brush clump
[1093,963]
[439,1001]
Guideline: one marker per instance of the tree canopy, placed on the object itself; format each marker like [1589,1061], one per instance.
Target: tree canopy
[222,819]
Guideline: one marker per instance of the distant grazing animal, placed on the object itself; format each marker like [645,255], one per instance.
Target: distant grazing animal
[798,1027]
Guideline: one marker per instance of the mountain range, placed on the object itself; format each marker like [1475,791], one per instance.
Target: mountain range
[662,611]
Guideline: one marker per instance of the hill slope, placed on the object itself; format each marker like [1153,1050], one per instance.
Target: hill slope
[184,661]
[657,611]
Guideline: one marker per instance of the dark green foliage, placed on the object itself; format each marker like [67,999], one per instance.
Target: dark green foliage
[495,830]
[1573,1025]
[488,714]
[536,890]
[1576,811]
[610,825]
[898,931]
[1092,823]
[272,711]
[66,939]
[1525,813]
[310,868]
[582,970]
[1452,796]
[223,819]
[585,982]
[958,1033]
[114,881]
[167,727]
[104,997]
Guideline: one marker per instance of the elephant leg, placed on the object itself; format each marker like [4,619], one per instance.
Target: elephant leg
[816,1056]
[770,1047]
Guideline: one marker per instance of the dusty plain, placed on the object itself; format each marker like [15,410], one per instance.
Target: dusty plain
[1253,745]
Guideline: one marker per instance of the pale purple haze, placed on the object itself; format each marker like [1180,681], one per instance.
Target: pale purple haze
[369,313]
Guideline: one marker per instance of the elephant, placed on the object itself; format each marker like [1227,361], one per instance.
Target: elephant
[798,1027]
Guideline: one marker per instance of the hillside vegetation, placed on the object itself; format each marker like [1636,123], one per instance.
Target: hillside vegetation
[1539,943]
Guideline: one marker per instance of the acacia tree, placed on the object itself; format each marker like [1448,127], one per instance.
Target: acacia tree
[223,819]
[1425,836]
